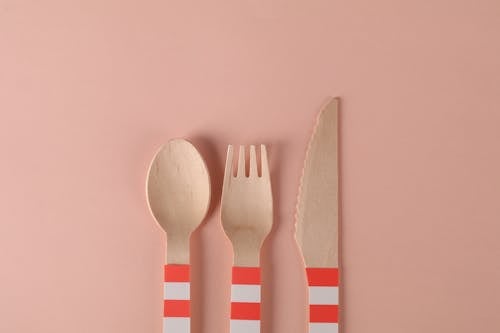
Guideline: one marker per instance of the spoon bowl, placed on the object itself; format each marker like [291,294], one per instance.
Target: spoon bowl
[178,191]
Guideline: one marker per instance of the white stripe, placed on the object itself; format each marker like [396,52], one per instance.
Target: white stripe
[323,295]
[245,293]
[245,326]
[323,328]
[176,290]
[176,325]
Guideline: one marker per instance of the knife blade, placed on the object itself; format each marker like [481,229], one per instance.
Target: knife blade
[317,220]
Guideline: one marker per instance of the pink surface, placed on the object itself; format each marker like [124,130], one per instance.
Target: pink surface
[90,89]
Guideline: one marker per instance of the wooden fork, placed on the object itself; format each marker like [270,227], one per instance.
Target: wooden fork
[247,217]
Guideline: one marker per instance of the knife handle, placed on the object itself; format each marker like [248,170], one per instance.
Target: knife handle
[245,300]
[176,299]
[323,299]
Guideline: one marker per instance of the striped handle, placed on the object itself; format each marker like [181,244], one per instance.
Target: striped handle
[245,300]
[323,299]
[176,299]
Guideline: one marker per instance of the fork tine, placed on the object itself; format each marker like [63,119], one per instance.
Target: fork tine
[228,171]
[253,162]
[241,163]
[263,160]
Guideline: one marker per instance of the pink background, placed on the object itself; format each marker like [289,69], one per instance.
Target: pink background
[90,89]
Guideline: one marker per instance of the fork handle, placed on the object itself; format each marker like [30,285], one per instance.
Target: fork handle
[245,300]
[323,299]
[176,299]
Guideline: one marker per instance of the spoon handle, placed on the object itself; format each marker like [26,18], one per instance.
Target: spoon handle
[245,300]
[323,299]
[176,299]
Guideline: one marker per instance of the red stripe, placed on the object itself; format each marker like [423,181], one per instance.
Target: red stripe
[324,313]
[176,308]
[246,275]
[245,311]
[322,276]
[176,273]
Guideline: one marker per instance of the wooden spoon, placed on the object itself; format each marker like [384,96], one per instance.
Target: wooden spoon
[178,191]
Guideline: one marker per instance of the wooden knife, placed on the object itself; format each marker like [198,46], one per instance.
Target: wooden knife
[317,221]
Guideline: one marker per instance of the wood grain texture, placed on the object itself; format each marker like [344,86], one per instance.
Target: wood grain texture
[178,189]
[247,205]
[318,207]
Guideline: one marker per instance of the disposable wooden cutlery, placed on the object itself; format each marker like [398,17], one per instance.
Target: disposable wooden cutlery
[317,221]
[247,216]
[178,190]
